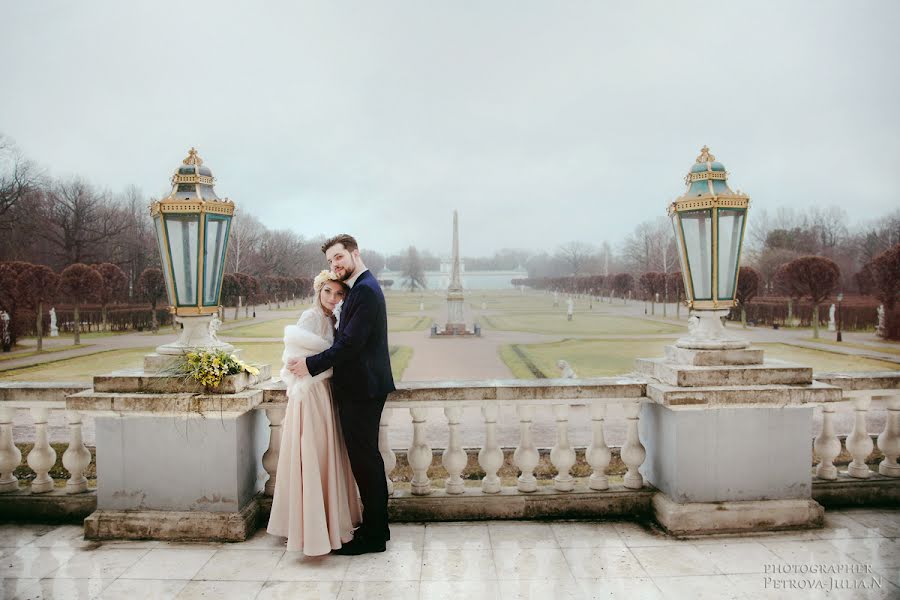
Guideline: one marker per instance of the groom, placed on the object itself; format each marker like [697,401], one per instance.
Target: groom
[361,382]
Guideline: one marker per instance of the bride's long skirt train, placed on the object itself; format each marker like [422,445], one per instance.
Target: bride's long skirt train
[316,503]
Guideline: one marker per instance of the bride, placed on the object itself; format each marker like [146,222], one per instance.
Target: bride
[316,504]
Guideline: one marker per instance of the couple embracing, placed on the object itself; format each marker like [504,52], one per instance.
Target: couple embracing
[337,373]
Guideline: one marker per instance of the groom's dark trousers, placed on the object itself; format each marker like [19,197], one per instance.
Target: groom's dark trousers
[361,382]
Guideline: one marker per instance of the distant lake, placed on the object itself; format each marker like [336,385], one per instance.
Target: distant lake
[471,280]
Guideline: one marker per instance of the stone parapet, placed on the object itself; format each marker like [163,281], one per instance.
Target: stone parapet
[140,381]
[712,358]
[771,372]
[750,395]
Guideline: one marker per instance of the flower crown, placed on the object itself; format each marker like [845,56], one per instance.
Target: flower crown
[321,278]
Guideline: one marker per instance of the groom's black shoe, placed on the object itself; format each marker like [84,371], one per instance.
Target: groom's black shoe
[361,545]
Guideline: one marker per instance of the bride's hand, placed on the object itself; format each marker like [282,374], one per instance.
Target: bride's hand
[297,366]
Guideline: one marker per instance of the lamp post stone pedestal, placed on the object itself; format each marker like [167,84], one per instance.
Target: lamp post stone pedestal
[175,460]
[727,440]
[726,431]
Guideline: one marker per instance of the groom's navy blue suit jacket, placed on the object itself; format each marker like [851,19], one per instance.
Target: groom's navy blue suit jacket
[359,355]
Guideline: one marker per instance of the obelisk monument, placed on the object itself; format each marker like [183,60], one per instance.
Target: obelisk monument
[455,321]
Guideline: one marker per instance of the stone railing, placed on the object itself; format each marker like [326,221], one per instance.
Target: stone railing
[488,397]
[860,389]
[39,399]
[484,398]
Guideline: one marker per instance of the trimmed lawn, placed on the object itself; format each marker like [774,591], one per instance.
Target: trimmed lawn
[400,357]
[588,358]
[824,361]
[268,329]
[83,368]
[605,358]
[583,324]
[14,355]
[275,329]
[406,302]
[80,369]
[408,323]
[879,347]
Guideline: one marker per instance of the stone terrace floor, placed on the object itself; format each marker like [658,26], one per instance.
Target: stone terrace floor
[495,559]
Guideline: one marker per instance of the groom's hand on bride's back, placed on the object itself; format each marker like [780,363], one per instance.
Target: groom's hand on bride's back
[297,366]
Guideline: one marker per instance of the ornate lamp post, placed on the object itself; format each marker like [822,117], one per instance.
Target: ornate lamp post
[709,221]
[192,228]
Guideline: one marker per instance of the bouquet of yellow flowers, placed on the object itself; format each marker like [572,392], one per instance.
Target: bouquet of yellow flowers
[210,367]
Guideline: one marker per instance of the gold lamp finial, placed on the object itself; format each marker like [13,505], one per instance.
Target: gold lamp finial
[193,158]
[705,156]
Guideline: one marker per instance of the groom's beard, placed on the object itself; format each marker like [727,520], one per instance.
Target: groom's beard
[349,273]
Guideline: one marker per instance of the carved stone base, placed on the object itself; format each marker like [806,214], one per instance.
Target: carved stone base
[698,518]
[192,525]
[194,334]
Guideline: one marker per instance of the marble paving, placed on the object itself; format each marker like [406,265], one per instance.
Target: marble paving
[856,555]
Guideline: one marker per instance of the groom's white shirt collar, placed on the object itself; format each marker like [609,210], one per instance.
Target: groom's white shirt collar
[352,280]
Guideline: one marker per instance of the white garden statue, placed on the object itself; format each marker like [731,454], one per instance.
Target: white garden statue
[831,323]
[879,329]
[4,327]
[570,308]
[54,330]
[565,369]
[214,325]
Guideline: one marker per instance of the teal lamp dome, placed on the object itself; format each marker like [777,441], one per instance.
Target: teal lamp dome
[707,176]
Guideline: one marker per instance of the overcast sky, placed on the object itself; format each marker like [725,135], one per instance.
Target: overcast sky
[541,122]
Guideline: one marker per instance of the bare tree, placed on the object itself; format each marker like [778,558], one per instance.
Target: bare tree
[37,286]
[575,255]
[246,234]
[18,176]
[80,284]
[413,270]
[81,221]
[747,288]
[814,277]
[151,287]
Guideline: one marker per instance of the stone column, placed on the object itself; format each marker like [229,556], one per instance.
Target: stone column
[727,435]
[175,462]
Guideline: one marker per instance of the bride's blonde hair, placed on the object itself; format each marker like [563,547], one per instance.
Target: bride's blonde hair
[320,281]
[321,278]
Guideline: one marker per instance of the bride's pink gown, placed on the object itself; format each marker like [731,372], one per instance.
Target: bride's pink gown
[316,503]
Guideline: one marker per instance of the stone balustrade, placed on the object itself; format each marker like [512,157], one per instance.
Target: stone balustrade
[39,399]
[860,389]
[487,397]
[483,398]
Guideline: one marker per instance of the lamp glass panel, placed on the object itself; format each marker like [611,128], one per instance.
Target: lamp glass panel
[696,227]
[183,232]
[731,227]
[215,236]
[164,257]
[684,267]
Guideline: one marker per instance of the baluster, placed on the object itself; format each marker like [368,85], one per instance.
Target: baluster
[562,455]
[384,447]
[419,454]
[859,443]
[10,456]
[598,455]
[889,439]
[491,456]
[827,445]
[42,456]
[526,456]
[270,457]
[633,452]
[454,457]
[76,458]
